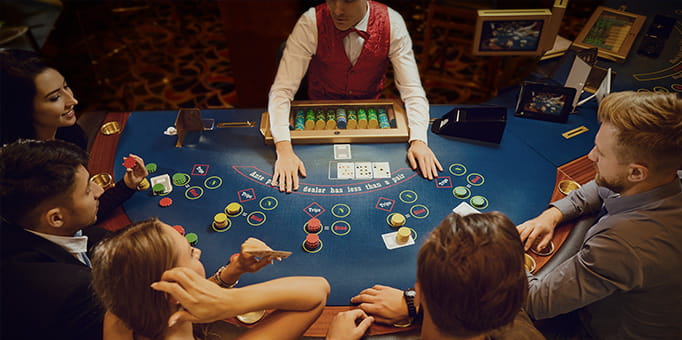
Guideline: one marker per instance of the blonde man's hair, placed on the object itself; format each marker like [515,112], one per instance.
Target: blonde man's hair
[649,125]
[124,266]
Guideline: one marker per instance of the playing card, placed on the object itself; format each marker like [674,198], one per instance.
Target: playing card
[342,151]
[363,170]
[345,170]
[263,253]
[381,169]
[464,209]
[391,243]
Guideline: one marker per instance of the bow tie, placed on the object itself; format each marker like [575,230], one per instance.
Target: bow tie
[362,34]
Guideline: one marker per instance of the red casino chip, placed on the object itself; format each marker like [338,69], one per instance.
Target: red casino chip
[129,162]
[165,202]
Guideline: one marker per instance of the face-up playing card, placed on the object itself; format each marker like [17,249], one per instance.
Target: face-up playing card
[342,151]
[363,170]
[381,169]
[275,253]
[345,170]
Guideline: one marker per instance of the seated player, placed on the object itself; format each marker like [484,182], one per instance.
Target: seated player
[46,198]
[471,284]
[40,105]
[125,266]
[345,46]
[625,281]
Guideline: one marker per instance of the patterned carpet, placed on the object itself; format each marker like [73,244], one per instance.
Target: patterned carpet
[165,56]
[123,55]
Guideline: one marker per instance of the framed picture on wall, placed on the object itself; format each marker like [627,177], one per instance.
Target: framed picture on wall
[512,32]
[611,31]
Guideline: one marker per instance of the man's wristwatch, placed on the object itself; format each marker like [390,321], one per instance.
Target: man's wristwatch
[409,295]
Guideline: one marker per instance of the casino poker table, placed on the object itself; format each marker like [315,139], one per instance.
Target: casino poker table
[357,244]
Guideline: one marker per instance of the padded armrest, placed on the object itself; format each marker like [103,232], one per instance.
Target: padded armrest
[570,246]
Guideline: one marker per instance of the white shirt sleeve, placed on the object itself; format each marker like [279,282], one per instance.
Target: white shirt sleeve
[300,47]
[302,44]
[407,79]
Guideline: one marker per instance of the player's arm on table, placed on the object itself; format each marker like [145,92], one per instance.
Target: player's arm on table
[136,174]
[386,304]
[540,229]
[287,167]
[420,156]
[345,325]
[204,301]
[244,262]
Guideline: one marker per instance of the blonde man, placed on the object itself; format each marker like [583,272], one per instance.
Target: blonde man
[626,280]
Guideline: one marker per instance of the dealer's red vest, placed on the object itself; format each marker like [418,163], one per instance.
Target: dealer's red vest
[332,76]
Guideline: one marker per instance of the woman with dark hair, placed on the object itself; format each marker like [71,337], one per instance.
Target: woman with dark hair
[125,265]
[37,102]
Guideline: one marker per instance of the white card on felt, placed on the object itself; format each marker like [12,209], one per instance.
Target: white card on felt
[345,170]
[381,169]
[464,209]
[363,170]
[342,151]
[391,243]
[165,181]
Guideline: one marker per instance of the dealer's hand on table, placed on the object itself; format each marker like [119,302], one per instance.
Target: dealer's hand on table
[539,230]
[420,156]
[344,326]
[386,304]
[287,167]
[202,300]
[136,174]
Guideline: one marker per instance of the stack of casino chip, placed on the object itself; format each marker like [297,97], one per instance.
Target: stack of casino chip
[192,238]
[320,119]
[180,179]
[331,119]
[372,119]
[312,242]
[341,118]
[384,122]
[220,222]
[313,226]
[362,119]
[309,119]
[352,119]
[403,235]
[299,120]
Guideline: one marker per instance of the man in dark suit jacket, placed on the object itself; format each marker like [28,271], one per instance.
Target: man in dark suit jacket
[46,198]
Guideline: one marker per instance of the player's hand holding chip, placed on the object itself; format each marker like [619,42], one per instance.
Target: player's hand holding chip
[246,261]
[540,230]
[135,171]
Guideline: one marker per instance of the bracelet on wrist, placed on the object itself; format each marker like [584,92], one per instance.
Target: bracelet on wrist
[220,281]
